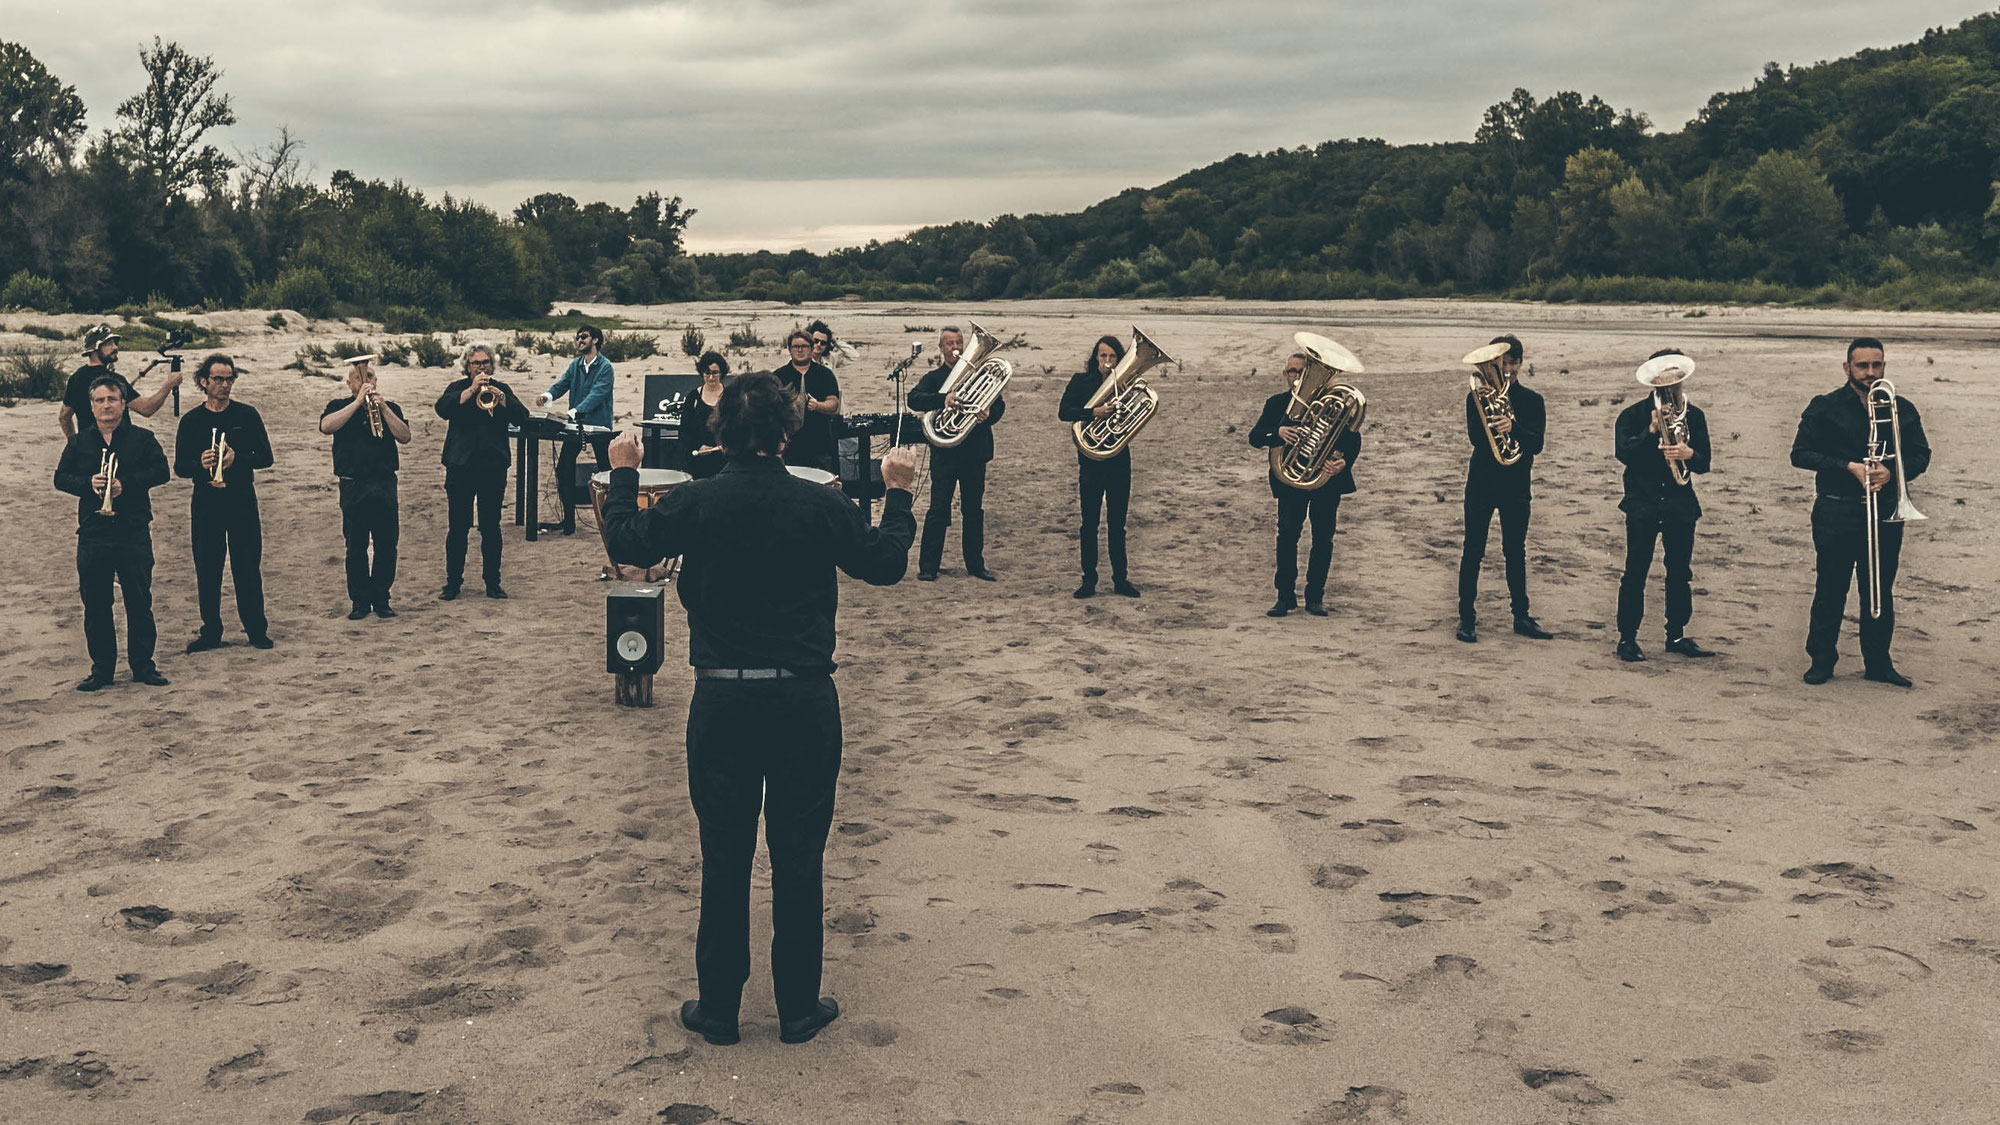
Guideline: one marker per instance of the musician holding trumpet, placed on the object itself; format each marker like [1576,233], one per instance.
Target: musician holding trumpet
[1864,443]
[110,467]
[220,446]
[366,430]
[1661,439]
[478,408]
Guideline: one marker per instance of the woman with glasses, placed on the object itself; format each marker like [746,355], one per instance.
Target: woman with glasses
[819,394]
[705,456]
[222,512]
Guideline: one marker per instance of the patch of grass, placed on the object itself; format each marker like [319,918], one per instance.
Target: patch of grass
[619,347]
[691,341]
[429,351]
[309,358]
[34,373]
[44,332]
[744,338]
[396,353]
[275,320]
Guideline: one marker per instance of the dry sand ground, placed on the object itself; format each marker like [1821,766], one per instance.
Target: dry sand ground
[1156,860]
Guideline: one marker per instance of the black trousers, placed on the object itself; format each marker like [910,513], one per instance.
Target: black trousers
[1106,487]
[1642,530]
[1840,537]
[467,487]
[969,481]
[774,746]
[566,486]
[128,561]
[1323,505]
[1514,509]
[223,523]
[368,511]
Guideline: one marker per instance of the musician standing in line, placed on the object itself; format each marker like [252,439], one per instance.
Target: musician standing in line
[960,468]
[100,349]
[1659,509]
[589,382]
[1275,429]
[759,551]
[365,463]
[1507,489]
[813,446]
[1101,486]
[476,455]
[222,518]
[118,546]
[1832,442]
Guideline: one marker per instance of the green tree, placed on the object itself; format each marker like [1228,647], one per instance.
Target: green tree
[164,123]
[1648,238]
[41,118]
[1586,241]
[1795,217]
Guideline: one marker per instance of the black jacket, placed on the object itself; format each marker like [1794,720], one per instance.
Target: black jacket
[1082,385]
[1833,431]
[758,551]
[977,448]
[1264,435]
[244,428]
[475,438]
[1530,423]
[1649,485]
[142,466]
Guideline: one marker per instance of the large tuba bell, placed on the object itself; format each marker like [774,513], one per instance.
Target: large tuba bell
[1882,412]
[1489,386]
[977,378]
[1666,374]
[1132,402]
[1324,409]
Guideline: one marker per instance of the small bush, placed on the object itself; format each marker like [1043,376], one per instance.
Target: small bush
[304,288]
[34,292]
[622,346]
[406,318]
[691,341]
[393,352]
[429,351]
[744,338]
[44,332]
[34,373]
[917,328]
[310,357]
[276,320]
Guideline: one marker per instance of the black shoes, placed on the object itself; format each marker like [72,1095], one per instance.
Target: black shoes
[383,611]
[1687,647]
[1316,607]
[980,573]
[449,593]
[493,590]
[1819,673]
[1529,627]
[1284,606]
[1630,653]
[261,641]
[720,1032]
[1087,590]
[1120,586]
[1887,676]
[93,681]
[1467,633]
[202,643]
[927,576]
[152,678]
[809,1025]
[358,612]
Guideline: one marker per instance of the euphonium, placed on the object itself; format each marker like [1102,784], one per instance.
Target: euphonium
[219,445]
[1324,409]
[977,380]
[488,398]
[1489,383]
[107,467]
[1882,412]
[1132,402]
[1665,375]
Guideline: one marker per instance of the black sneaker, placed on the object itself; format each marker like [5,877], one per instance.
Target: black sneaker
[981,573]
[1467,633]
[358,612]
[202,643]
[383,611]
[1629,651]
[93,682]
[449,593]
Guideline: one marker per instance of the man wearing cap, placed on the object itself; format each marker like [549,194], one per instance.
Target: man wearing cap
[222,510]
[588,381]
[1659,507]
[100,350]
[365,459]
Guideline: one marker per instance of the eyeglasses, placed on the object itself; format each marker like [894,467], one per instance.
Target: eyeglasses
[797,344]
[222,378]
[480,363]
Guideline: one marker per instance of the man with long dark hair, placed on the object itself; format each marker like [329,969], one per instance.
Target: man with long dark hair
[759,549]
[223,522]
[1101,486]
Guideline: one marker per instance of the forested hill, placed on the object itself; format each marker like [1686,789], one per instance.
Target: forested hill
[1870,179]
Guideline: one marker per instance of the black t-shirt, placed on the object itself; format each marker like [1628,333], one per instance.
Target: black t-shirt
[813,444]
[357,453]
[76,395]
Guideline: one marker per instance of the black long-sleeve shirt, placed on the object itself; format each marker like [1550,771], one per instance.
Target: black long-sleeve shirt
[1649,484]
[758,550]
[1082,385]
[813,444]
[1530,423]
[698,430]
[1833,431]
[977,448]
[1264,435]
[357,453]
[244,428]
[142,466]
[474,437]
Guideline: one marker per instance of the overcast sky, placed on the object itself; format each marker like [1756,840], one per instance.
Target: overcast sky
[828,122]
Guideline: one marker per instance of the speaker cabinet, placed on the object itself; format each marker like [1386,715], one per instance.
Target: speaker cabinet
[635,626]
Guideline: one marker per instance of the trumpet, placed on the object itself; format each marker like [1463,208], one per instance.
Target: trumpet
[1132,402]
[107,467]
[218,444]
[1489,384]
[1665,375]
[372,403]
[489,398]
[1324,409]
[977,378]
[1882,412]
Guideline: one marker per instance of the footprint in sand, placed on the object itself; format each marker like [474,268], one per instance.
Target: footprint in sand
[1363,1105]
[875,1033]
[1276,937]
[1855,976]
[1842,879]
[1720,1074]
[1847,1040]
[1288,1027]
[1572,1086]
[1338,876]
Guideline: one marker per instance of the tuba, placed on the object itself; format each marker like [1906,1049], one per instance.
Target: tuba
[1326,410]
[1489,383]
[1132,402]
[218,444]
[1665,375]
[107,467]
[1882,412]
[977,380]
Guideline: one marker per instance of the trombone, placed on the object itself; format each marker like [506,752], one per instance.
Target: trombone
[1882,412]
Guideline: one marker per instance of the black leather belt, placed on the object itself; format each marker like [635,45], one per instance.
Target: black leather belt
[745,674]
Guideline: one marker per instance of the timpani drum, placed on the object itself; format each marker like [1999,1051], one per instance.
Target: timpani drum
[654,484]
[816,476]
